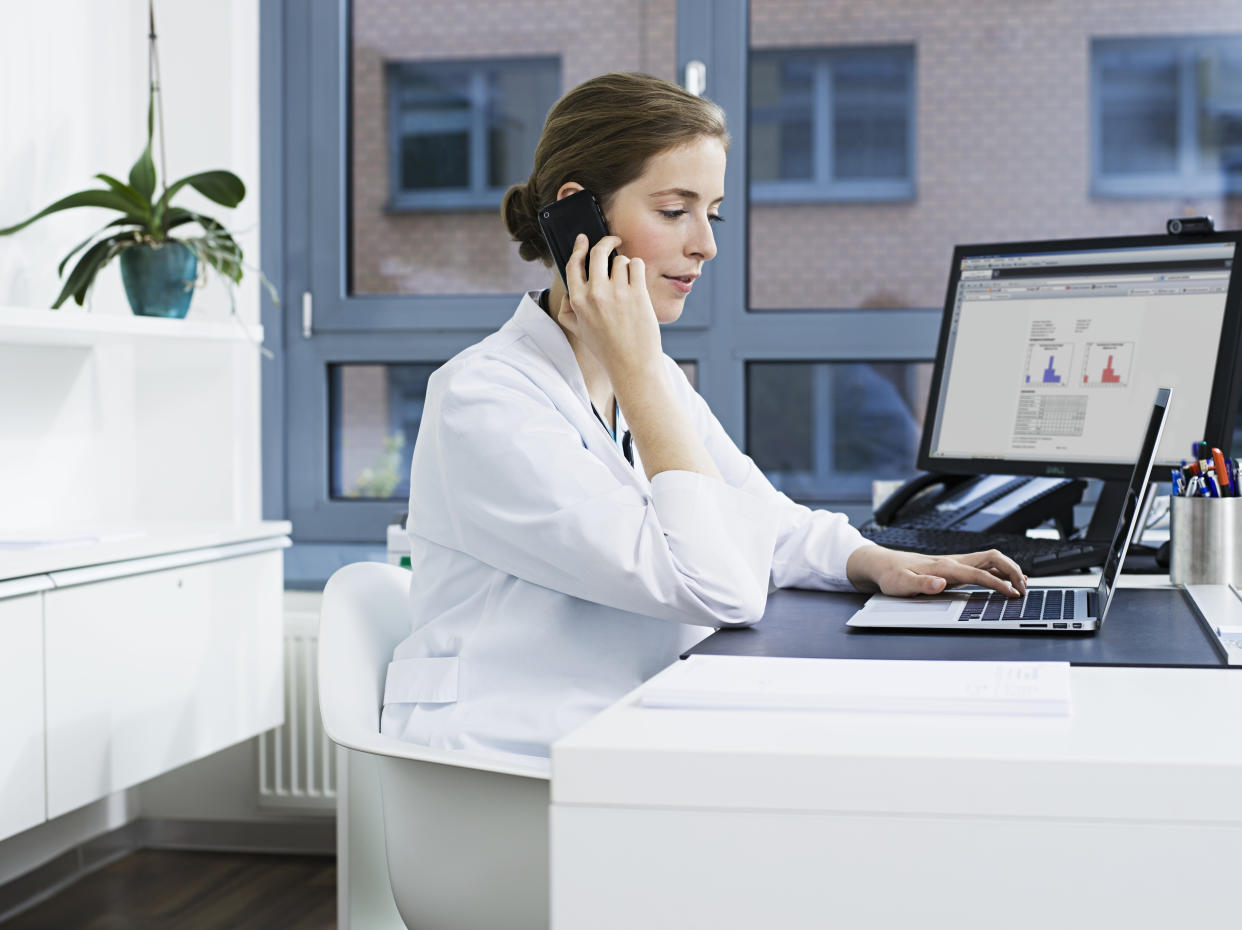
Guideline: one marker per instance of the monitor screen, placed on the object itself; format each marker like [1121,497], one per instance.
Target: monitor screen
[1050,354]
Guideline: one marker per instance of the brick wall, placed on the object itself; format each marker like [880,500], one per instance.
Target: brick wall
[1002,144]
[1002,151]
[470,252]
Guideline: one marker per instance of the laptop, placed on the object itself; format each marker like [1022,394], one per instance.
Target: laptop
[1044,609]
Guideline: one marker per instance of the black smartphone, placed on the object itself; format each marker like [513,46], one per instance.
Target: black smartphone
[562,221]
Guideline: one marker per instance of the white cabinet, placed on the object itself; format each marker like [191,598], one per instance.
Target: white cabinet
[21,713]
[140,591]
[148,672]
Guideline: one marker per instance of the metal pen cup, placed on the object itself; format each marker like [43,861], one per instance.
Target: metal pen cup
[1205,544]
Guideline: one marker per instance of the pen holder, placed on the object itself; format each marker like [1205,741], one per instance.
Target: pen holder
[1205,540]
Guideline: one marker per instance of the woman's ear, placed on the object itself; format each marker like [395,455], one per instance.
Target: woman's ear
[569,187]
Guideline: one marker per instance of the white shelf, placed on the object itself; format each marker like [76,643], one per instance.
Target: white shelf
[23,325]
[124,544]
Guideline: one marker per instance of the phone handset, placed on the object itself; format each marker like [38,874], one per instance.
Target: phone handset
[915,487]
[561,222]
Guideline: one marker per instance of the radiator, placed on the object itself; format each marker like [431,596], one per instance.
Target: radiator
[297,761]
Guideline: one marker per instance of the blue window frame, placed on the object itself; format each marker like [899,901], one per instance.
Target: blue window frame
[1167,116]
[832,124]
[460,132]
[348,379]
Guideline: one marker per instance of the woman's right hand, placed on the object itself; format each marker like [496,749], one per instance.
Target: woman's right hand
[611,313]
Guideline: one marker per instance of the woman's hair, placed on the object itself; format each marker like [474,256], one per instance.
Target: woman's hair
[602,134]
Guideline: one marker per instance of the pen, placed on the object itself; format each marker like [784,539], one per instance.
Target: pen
[1222,473]
[1212,489]
[1177,482]
[1204,456]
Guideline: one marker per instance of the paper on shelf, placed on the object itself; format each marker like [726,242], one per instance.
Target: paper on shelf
[866,685]
[65,540]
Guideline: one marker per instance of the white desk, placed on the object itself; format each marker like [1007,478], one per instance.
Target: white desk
[1126,814]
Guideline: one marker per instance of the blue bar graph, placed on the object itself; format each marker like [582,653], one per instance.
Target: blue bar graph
[1050,374]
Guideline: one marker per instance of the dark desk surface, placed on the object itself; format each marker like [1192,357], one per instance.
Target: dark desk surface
[1144,626]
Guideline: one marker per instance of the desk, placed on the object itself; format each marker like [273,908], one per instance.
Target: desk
[1127,813]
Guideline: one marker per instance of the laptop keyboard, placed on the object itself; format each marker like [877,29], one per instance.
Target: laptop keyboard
[1055,605]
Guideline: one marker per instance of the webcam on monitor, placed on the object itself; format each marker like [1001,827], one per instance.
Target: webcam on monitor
[1190,225]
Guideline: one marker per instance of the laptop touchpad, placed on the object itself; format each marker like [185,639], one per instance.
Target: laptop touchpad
[913,605]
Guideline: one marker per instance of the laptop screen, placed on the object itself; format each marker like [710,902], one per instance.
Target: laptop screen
[1134,494]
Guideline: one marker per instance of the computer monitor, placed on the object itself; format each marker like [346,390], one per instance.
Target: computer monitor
[1050,354]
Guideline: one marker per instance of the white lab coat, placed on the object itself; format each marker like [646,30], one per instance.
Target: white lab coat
[549,576]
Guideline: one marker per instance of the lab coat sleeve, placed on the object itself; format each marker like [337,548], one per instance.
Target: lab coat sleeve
[501,474]
[812,546]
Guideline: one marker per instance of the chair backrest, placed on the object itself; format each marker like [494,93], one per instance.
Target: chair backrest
[454,821]
[365,613]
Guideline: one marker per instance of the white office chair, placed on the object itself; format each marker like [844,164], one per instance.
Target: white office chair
[466,836]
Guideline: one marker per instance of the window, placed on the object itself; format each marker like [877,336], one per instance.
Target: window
[375,411]
[809,336]
[822,431]
[1168,116]
[832,124]
[461,132]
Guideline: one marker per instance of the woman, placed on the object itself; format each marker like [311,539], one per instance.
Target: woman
[578,517]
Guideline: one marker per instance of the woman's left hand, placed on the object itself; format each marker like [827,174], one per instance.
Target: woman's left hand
[874,568]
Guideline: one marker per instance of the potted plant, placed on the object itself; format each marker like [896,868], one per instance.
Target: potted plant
[160,265]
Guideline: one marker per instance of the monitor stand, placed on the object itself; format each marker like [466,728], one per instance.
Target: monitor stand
[1107,511]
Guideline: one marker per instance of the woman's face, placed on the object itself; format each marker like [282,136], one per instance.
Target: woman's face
[665,218]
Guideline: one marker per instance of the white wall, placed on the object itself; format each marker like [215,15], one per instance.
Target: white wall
[73,77]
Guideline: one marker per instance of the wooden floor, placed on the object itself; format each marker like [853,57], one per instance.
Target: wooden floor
[167,890]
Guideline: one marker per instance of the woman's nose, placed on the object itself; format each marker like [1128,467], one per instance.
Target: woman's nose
[703,242]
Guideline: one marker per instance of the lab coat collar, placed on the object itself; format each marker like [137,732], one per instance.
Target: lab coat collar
[550,339]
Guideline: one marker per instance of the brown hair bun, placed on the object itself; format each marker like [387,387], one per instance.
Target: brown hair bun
[519,212]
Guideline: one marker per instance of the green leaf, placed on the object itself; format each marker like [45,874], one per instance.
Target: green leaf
[226,259]
[223,187]
[83,274]
[60,269]
[110,200]
[223,252]
[139,205]
[177,216]
[150,106]
[142,175]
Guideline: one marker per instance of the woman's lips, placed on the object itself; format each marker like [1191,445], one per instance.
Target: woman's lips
[682,283]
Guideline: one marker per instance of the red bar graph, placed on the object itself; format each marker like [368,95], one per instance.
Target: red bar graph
[1107,364]
[1109,376]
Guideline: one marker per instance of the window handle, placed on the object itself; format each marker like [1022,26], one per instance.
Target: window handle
[308,314]
[696,77]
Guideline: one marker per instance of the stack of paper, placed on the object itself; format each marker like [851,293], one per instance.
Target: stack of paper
[867,685]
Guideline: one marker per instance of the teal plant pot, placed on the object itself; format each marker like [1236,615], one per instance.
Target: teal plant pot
[159,280]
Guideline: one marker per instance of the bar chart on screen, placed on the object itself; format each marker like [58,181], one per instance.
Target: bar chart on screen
[1107,363]
[1048,363]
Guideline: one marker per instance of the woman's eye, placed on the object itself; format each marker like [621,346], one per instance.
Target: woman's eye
[715,218]
[672,214]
